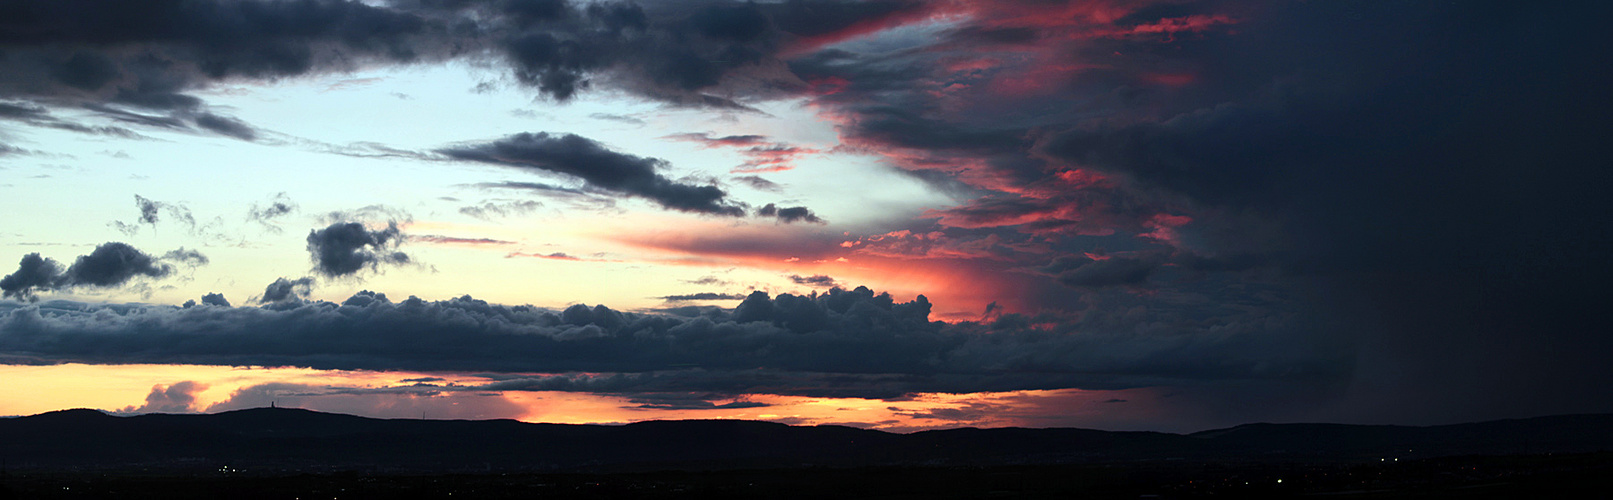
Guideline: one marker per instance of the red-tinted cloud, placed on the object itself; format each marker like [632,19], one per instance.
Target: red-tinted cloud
[761,154]
[899,15]
[1186,24]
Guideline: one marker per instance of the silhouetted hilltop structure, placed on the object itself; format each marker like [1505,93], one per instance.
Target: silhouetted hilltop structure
[290,440]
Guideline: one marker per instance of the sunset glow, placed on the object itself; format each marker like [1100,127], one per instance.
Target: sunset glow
[889,214]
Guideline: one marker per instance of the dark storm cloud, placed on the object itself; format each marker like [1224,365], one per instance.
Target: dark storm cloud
[809,18]
[685,55]
[150,56]
[841,343]
[287,290]
[905,128]
[22,111]
[145,54]
[110,264]
[601,168]
[1374,155]
[1423,163]
[534,11]
[139,63]
[789,215]
[1105,272]
[345,248]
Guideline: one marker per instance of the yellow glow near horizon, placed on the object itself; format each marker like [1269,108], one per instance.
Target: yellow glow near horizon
[123,387]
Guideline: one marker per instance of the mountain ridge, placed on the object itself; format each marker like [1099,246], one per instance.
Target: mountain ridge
[290,440]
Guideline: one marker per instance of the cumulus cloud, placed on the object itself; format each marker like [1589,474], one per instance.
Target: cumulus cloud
[110,264]
[287,290]
[215,299]
[33,273]
[179,397]
[345,248]
[600,168]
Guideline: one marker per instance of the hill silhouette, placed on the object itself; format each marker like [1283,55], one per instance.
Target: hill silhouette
[291,440]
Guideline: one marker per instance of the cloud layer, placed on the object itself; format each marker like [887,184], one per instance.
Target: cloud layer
[840,343]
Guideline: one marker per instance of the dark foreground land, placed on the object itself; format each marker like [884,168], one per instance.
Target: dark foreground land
[297,454]
[1479,477]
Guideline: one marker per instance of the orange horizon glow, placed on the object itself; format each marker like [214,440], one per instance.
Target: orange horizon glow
[120,388]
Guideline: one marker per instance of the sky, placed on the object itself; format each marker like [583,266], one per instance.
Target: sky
[1168,215]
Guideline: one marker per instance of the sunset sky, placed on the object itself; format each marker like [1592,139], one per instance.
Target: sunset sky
[1120,214]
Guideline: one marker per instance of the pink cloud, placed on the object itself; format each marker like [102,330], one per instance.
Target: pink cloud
[762,155]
